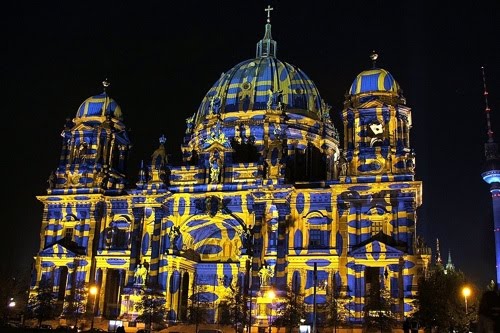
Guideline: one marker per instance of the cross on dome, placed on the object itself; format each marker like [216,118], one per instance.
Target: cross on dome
[268,10]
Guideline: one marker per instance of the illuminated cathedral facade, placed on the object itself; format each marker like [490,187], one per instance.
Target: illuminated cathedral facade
[268,197]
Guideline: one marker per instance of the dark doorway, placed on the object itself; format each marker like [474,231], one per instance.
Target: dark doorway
[184,297]
[61,290]
[114,282]
[372,278]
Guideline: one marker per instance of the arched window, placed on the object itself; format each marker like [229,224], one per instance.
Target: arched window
[118,234]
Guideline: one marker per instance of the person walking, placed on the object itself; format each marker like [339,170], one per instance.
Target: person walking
[406,325]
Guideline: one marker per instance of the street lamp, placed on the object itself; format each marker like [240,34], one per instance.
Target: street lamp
[10,306]
[12,303]
[466,292]
[93,291]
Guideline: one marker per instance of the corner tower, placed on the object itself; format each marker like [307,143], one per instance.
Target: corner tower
[94,149]
[78,218]
[377,197]
[376,129]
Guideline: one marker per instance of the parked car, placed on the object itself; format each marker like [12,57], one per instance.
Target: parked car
[45,327]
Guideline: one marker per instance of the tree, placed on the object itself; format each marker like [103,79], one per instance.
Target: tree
[233,308]
[440,303]
[197,311]
[42,304]
[14,282]
[76,301]
[290,309]
[378,310]
[338,311]
[151,308]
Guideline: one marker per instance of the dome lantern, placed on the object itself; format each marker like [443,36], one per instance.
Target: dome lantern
[266,47]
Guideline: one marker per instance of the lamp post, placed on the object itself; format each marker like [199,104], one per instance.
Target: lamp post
[93,292]
[466,292]
[10,306]
[315,282]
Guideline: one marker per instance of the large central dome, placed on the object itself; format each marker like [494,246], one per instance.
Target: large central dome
[262,83]
[258,111]
[250,86]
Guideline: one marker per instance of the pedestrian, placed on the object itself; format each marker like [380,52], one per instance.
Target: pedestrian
[406,325]
[120,329]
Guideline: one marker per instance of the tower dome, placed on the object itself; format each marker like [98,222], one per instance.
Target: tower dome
[96,109]
[374,80]
[375,83]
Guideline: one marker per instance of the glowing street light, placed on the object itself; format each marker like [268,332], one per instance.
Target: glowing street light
[12,303]
[466,292]
[93,291]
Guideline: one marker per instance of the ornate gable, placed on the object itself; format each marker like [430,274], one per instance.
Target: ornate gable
[376,250]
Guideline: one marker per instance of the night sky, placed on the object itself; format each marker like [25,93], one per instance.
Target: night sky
[161,57]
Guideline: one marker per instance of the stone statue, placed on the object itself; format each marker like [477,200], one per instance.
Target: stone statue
[343,164]
[325,111]
[140,274]
[274,100]
[52,180]
[265,273]
[189,124]
[278,132]
[81,153]
[159,157]
[214,169]
[173,235]
[215,104]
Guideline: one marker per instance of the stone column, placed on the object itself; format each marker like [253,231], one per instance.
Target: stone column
[102,291]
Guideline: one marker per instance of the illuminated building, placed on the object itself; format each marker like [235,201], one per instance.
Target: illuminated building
[491,175]
[267,186]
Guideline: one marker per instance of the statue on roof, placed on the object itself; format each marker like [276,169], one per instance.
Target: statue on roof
[325,110]
[159,156]
[217,135]
[215,105]
[174,235]
[343,164]
[189,124]
[215,166]
[52,180]
[274,99]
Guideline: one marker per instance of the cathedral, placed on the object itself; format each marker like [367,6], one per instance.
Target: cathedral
[268,197]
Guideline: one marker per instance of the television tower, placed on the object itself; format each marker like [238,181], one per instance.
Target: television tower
[491,175]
